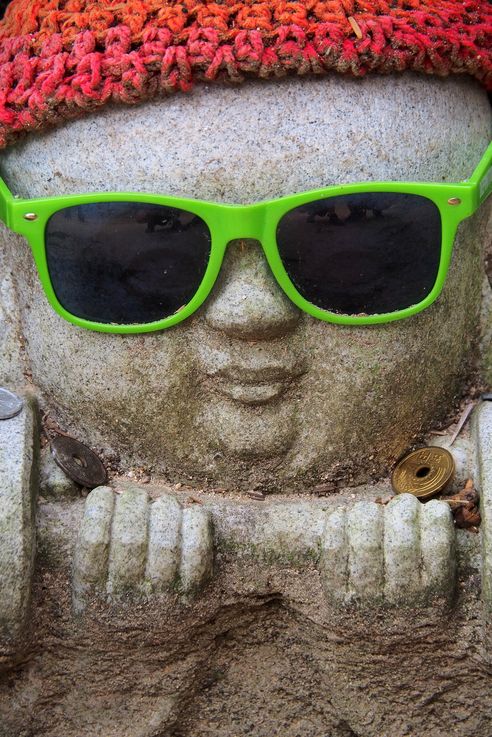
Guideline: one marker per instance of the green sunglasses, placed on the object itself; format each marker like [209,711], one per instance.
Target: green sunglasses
[357,254]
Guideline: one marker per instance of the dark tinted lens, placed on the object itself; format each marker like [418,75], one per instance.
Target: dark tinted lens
[362,253]
[125,262]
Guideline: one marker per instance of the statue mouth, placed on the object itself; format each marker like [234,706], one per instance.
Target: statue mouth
[252,386]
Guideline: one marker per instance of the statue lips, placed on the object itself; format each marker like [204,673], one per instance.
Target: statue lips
[252,386]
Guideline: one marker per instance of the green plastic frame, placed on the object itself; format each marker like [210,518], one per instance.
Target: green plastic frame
[456,202]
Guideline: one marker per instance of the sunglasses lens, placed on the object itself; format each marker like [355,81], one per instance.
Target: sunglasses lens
[125,262]
[362,254]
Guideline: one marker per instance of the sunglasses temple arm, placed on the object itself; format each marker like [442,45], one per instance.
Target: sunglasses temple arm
[482,177]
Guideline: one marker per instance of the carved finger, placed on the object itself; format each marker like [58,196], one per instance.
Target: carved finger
[164,550]
[402,549]
[128,546]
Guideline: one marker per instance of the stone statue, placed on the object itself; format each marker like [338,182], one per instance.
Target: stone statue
[184,607]
[249,390]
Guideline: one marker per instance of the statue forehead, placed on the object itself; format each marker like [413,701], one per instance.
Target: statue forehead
[263,139]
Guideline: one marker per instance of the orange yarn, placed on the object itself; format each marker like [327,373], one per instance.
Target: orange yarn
[61,57]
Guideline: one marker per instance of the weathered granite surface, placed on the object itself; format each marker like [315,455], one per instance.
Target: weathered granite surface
[399,554]
[250,391]
[53,481]
[18,487]
[186,610]
[127,546]
[11,365]
[482,432]
[212,613]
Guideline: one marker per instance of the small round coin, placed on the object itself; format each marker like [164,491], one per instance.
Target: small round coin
[424,472]
[10,404]
[78,461]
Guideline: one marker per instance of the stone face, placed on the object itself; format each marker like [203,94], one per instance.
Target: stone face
[212,613]
[250,391]
[18,489]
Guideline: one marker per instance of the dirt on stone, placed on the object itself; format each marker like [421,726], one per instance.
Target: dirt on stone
[258,653]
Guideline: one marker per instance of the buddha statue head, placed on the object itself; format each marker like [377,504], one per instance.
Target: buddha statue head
[310,334]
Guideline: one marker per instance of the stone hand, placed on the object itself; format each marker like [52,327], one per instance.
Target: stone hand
[402,554]
[128,545]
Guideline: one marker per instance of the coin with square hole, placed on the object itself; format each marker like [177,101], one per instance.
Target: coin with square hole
[424,472]
[79,462]
[10,404]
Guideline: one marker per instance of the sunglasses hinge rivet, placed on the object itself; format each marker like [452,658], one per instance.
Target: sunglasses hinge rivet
[30,216]
[454,201]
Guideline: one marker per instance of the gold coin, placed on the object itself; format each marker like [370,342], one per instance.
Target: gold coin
[424,472]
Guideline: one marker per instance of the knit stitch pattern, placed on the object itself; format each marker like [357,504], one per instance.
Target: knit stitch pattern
[61,58]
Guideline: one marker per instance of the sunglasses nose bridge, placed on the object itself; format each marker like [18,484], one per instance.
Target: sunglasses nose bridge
[242,222]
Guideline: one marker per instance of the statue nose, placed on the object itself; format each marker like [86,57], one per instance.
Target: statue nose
[247,302]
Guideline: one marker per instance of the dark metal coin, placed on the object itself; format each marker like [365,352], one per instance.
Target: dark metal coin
[424,472]
[78,461]
[10,404]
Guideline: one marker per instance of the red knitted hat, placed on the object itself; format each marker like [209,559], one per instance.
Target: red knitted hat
[60,58]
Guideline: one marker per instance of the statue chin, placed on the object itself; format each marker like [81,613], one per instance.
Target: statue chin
[250,388]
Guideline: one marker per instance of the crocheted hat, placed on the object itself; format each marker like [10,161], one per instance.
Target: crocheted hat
[60,58]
